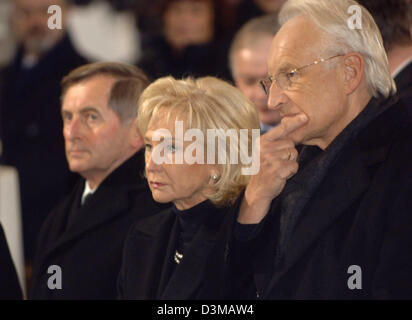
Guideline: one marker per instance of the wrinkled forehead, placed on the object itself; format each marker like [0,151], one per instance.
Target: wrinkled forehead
[298,42]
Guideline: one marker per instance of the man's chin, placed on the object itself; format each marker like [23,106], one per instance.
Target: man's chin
[77,166]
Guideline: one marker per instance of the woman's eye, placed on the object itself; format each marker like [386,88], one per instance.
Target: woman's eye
[148,147]
[170,148]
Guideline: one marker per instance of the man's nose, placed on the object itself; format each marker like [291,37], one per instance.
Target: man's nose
[73,128]
[277,96]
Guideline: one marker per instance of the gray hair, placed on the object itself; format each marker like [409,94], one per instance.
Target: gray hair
[250,34]
[332,17]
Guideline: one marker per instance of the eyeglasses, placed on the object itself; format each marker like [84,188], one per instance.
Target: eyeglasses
[285,79]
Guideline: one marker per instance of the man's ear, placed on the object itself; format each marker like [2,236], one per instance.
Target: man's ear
[136,137]
[353,71]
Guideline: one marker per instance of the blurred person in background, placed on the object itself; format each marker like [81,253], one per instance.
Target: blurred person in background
[105,30]
[248,57]
[149,21]
[249,9]
[6,37]
[394,20]
[190,44]
[30,121]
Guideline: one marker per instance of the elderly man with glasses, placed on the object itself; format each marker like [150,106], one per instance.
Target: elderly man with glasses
[329,215]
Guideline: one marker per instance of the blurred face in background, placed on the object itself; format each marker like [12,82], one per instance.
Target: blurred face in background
[249,67]
[270,6]
[30,19]
[188,22]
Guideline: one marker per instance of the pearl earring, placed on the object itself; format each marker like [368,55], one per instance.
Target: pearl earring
[214,177]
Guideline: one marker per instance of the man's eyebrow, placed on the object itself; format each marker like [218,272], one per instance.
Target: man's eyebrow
[285,67]
[89,109]
[82,110]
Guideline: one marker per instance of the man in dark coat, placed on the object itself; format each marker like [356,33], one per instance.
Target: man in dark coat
[80,245]
[330,218]
[9,283]
[30,122]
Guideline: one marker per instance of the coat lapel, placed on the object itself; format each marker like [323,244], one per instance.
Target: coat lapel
[95,213]
[109,200]
[167,241]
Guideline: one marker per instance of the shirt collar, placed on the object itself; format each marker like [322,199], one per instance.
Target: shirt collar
[87,191]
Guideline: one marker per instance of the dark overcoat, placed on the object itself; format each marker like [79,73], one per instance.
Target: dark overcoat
[148,259]
[353,237]
[89,248]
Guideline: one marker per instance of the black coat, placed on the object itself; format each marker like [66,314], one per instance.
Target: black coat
[31,132]
[148,256]
[89,250]
[360,215]
[9,283]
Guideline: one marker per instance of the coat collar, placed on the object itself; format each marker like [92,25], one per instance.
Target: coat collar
[98,210]
[346,181]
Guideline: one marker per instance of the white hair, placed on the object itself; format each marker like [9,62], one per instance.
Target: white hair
[332,16]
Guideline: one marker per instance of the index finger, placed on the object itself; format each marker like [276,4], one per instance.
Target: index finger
[286,126]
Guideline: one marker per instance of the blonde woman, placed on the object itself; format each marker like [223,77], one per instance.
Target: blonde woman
[192,131]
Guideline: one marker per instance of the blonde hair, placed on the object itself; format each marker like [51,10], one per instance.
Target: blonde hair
[332,16]
[204,103]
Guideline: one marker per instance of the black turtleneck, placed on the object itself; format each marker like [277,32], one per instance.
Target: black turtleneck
[189,221]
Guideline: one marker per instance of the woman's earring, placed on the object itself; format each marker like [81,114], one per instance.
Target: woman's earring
[214,177]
